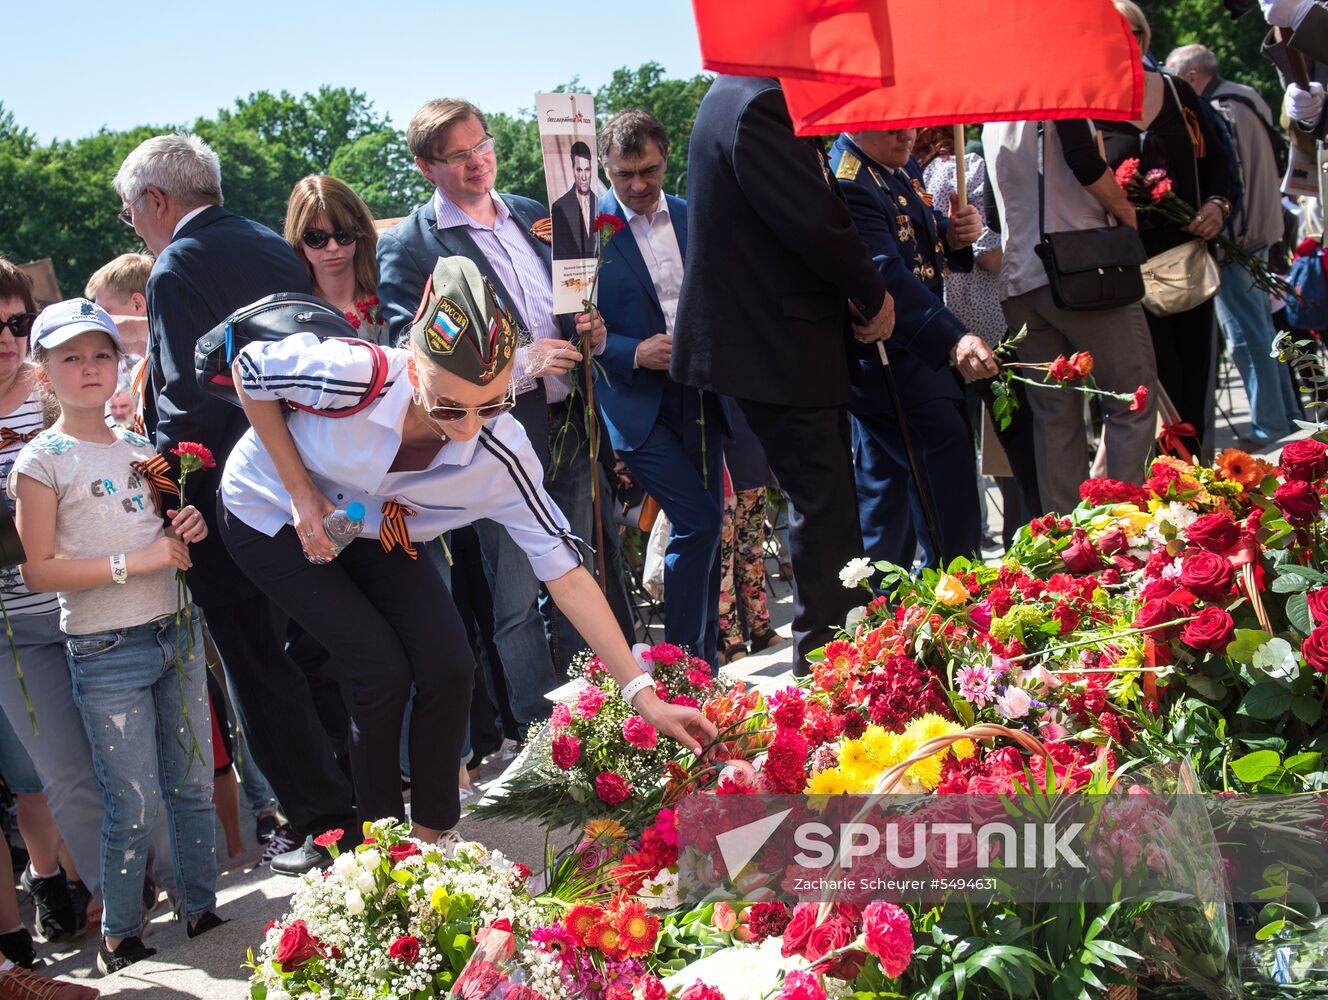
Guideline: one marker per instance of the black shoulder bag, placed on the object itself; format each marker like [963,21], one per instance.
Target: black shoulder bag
[1088,269]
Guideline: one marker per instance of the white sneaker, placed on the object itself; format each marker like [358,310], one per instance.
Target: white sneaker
[510,749]
[448,841]
[469,795]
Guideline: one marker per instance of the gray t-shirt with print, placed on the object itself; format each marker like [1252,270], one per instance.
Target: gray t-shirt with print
[105,508]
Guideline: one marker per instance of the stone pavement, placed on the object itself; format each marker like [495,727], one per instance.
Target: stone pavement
[211,966]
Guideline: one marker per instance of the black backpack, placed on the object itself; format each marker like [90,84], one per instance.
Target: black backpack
[1281,148]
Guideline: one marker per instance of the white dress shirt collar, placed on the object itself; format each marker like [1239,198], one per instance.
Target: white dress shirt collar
[450,214]
[629,215]
[184,219]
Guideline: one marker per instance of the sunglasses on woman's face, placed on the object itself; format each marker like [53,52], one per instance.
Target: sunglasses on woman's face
[20,324]
[316,239]
[451,414]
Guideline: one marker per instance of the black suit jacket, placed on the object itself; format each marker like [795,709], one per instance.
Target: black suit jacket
[570,237]
[217,263]
[772,257]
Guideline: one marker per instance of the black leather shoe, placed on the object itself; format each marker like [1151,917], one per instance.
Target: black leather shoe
[304,858]
[204,924]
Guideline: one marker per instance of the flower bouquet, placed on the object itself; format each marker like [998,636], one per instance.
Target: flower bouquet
[1072,373]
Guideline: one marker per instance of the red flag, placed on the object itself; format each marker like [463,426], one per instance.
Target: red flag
[838,41]
[1003,60]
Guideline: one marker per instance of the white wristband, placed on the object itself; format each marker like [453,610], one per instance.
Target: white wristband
[119,571]
[634,687]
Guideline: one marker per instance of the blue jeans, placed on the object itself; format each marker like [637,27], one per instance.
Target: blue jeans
[1242,311]
[134,706]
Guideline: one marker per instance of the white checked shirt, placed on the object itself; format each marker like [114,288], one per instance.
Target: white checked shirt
[494,475]
[658,244]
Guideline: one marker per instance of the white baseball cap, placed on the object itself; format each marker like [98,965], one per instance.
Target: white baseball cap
[65,320]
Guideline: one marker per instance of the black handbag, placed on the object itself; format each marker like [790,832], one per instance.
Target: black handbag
[277,317]
[1089,269]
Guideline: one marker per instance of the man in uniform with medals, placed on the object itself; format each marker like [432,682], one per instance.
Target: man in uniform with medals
[930,353]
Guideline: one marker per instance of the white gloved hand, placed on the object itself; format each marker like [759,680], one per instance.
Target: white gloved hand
[1285,13]
[1305,105]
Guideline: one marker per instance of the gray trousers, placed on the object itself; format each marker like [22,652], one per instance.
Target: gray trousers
[1123,360]
[59,749]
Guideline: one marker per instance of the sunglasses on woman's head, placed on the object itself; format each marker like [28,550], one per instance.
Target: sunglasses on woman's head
[20,324]
[451,414]
[316,239]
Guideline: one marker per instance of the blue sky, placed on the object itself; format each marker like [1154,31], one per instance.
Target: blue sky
[74,67]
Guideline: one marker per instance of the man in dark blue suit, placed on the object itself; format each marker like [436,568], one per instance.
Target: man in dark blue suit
[210,263]
[669,435]
[914,244]
[775,274]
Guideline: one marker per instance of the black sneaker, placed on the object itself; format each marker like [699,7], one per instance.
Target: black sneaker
[80,897]
[17,946]
[281,841]
[131,950]
[204,924]
[265,826]
[55,909]
[304,858]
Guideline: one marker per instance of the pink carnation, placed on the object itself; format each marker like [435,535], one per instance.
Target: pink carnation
[562,716]
[612,789]
[799,984]
[566,751]
[589,701]
[664,654]
[888,936]
[638,732]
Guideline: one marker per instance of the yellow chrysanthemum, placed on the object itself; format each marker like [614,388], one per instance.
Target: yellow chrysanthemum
[854,759]
[927,727]
[828,782]
[927,772]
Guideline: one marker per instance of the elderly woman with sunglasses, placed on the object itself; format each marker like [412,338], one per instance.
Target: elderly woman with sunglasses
[333,233]
[425,443]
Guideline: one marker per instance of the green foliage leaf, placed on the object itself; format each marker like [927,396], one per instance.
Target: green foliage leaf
[1298,613]
[1307,710]
[1265,700]
[1254,767]
[1290,583]
[1246,643]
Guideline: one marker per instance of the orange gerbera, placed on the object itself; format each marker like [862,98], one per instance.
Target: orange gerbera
[604,829]
[606,937]
[1241,467]
[637,927]
[581,920]
[842,657]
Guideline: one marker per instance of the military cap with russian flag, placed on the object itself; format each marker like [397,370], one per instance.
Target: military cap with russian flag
[462,324]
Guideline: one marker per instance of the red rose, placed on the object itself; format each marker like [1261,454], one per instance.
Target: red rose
[1305,460]
[1080,556]
[835,933]
[296,946]
[330,837]
[799,928]
[1062,370]
[1318,599]
[1140,399]
[1214,532]
[405,949]
[400,852]
[1211,632]
[612,789]
[1158,612]
[1315,649]
[1298,501]
[1113,541]
[1207,576]
[566,751]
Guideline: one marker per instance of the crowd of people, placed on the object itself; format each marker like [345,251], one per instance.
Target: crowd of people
[822,322]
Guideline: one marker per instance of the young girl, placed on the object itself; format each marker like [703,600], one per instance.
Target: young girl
[92,534]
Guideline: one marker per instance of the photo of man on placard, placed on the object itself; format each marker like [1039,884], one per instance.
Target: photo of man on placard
[574,212]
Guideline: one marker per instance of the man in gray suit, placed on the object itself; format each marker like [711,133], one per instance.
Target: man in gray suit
[466,217]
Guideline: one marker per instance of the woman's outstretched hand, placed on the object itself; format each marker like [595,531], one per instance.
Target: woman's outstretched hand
[681,723]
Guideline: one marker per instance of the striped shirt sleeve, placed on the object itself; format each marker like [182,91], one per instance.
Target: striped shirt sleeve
[326,375]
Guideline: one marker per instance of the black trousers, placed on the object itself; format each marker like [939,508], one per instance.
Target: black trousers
[810,454]
[390,622]
[1185,345]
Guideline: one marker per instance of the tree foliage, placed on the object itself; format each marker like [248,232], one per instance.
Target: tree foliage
[1236,44]
[56,198]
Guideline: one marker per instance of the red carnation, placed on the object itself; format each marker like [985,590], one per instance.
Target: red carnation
[607,225]
[1100,492]
[405,949]
[400,852]
[192,449]
[296,946]
[566,751]
[1161,189]
[1211,632]
[1305,460]
[789,711]
[1082,362]
[329,837]
[785,770]
[1140,399]
[1298,501]
[638,732]
[1127,171]
[612,789]
[767,920]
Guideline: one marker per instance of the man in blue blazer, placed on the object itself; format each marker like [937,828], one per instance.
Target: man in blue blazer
[668,434]
[210,263]
[914,245]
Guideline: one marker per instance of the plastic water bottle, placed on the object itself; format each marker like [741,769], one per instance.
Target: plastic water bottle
[342,527]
